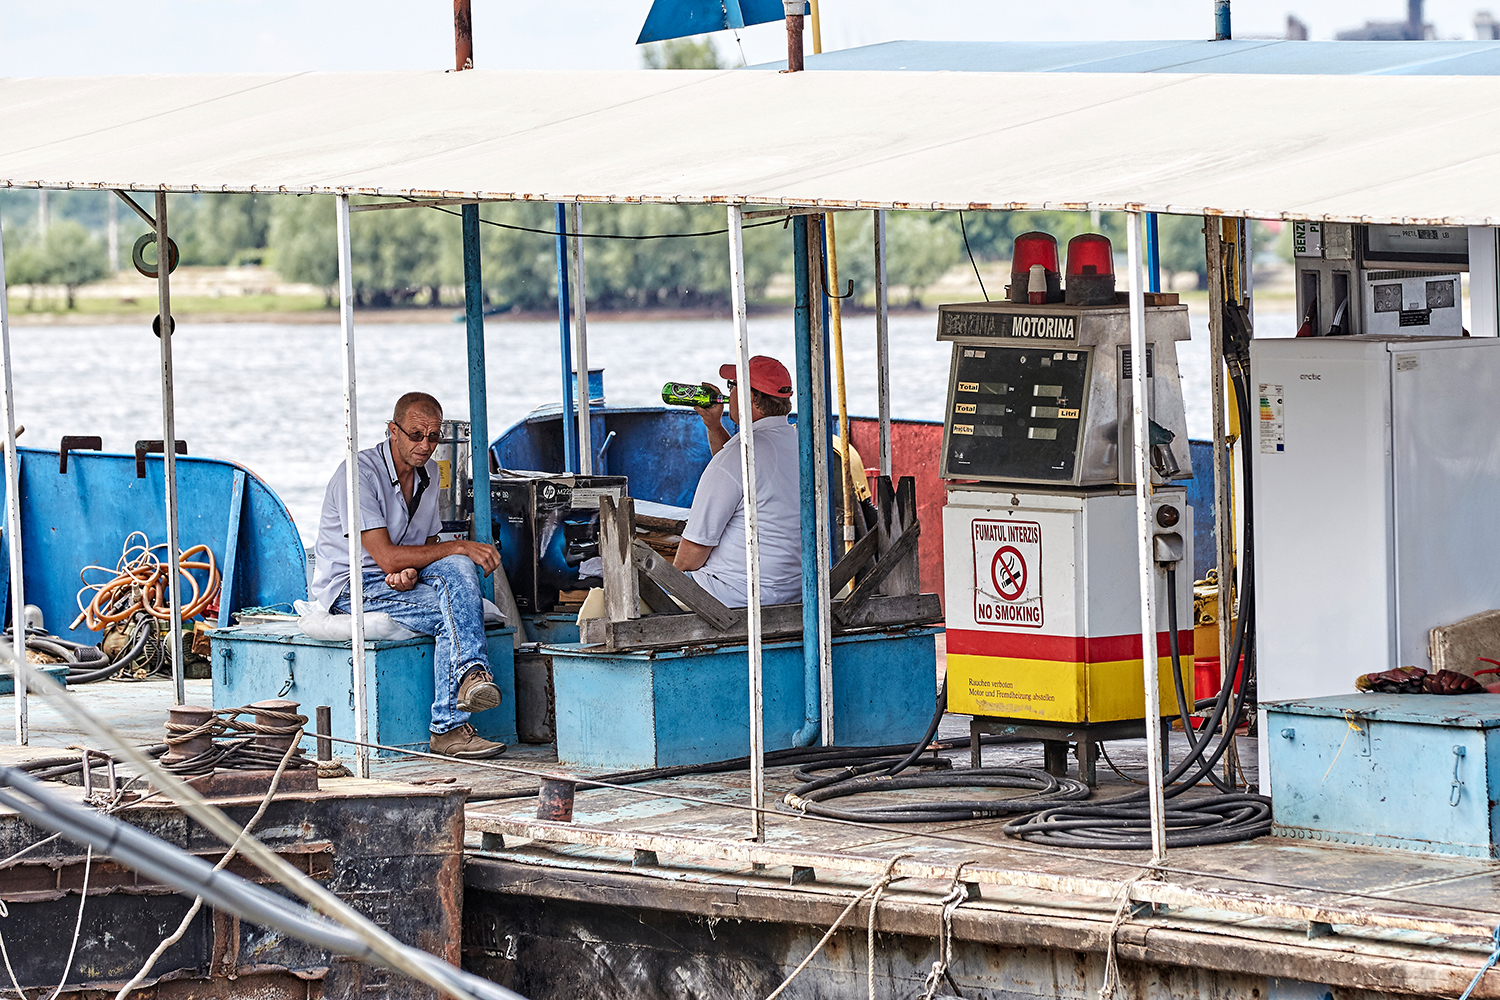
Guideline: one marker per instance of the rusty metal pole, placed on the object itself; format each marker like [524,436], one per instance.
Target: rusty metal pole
[463,36]
[794,14]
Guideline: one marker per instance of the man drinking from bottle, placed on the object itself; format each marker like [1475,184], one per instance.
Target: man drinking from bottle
[713,543]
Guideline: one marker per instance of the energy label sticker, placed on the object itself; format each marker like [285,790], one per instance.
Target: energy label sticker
[1007,573]
[1272,422]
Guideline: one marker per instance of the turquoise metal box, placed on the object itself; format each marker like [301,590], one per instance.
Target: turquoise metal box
[255,662]
[660,708]
[1409,771]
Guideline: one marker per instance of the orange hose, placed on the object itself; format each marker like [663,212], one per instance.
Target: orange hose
[140,586]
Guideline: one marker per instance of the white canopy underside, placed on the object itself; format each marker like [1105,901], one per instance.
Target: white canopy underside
[1385,149]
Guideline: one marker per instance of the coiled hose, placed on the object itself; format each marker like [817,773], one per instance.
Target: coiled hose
[87,664]
[1124,822]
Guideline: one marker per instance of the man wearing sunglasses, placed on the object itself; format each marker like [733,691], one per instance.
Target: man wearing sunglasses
[429,586]
[712,551]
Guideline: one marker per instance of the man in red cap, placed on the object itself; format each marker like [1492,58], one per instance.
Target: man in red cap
[713,543]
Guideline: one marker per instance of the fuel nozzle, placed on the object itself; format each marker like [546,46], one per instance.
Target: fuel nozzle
[1163,462]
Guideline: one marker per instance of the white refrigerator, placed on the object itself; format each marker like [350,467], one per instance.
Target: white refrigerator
[1376,466]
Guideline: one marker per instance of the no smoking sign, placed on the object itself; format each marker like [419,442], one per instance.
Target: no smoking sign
[1007,573]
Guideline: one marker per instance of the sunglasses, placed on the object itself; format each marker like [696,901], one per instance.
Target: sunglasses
[432,438]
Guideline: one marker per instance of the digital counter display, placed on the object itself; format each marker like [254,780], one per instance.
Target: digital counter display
[1015,413]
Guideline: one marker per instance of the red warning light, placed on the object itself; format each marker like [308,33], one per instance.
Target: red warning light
[1033,250]
[1091,271]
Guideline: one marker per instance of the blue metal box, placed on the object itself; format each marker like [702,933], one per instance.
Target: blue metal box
[255,662]
[1417,772]
[690,706]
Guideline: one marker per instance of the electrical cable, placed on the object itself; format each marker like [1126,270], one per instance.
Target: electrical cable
[1124,822]
[855,777]
[604,236]
[965,231]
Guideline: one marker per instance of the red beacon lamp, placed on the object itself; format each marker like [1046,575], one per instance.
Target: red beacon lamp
[1034,274]
[1091,271]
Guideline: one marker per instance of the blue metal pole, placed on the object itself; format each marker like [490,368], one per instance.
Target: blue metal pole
[564,308]
[1221,21]
[479,425]
[802,327]
[1153,255]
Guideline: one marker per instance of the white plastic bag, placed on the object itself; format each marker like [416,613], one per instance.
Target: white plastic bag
[317,623]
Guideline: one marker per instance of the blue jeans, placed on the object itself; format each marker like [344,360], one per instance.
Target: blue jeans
[446,605]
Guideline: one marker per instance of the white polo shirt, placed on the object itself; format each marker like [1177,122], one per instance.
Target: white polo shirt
[718,518]
[381,505]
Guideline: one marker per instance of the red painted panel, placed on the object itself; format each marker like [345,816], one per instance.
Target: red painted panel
[1065,648]
[916,451]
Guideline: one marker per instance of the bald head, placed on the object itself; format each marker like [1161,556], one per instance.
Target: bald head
[419,402]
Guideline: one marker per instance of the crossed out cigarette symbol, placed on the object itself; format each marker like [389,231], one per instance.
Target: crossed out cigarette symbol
[1008,571]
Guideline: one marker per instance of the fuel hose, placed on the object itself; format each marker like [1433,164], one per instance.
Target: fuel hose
[1124,822]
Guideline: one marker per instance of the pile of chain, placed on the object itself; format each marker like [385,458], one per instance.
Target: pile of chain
[234,742]
[138,584]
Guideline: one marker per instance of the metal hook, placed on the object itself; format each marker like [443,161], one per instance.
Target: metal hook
[847,295]
[290,658]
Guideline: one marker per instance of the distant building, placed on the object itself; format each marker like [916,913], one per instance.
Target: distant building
[1412,29]
[1485,26]
[1296,30]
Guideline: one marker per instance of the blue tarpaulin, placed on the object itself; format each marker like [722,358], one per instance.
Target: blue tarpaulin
[680,18]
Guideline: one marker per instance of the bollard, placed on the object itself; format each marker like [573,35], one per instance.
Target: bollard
[555,800]
[273,705]
[191,717]
[325,730]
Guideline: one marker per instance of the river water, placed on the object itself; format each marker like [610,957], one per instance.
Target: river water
[271,395]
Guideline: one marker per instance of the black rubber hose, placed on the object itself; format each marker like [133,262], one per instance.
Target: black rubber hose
[1123,823]
[123,659]
[1196,741]
[932,728]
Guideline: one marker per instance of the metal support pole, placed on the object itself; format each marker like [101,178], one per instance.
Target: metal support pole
[1221,21]
[1153,254]
[752,529]
[581,348]
[812,598]
[169,445]
[822,473]
[565,340]
[836,328]
[13,513]
[1141,416]
[463,36]
[882,345]
[479,425]
[793,10]
[1223,503]
[354,519]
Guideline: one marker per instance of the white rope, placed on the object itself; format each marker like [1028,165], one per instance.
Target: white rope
[870,938]
[83,895]
[1111,972]
[5,912]
[958,894]
[884,881]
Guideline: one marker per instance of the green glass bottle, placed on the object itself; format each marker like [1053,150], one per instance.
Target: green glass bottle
[690,394]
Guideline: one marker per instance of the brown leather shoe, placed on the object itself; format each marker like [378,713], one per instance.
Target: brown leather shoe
[477,692]
[463,742]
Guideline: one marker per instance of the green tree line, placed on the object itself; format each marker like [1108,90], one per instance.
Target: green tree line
[411,256]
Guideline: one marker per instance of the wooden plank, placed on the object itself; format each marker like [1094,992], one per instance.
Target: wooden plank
[1161,893]
[681,586]
[622,597]
[228,569]
[777,621]
[906,576]
[656,599]
[860,553]
[905,546]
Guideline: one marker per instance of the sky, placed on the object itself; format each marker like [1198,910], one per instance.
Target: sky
[93,37]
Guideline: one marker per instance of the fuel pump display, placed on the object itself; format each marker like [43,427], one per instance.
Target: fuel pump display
[1016,413]
[1041,563]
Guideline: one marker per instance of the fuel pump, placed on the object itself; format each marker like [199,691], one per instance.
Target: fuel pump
[1041,575]
[1384,280]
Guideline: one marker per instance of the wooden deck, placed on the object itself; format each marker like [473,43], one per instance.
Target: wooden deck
[1362,919]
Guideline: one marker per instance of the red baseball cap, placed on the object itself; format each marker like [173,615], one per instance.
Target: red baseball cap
[767,375]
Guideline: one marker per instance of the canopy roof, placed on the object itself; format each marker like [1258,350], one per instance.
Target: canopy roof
[1240,55]
[1396,149]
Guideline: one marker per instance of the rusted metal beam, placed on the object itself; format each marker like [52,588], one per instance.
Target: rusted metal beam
[1144,890]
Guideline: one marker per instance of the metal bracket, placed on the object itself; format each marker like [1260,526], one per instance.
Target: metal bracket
[136,208]
[291,680]
[228,654]
[143,448]
[1458,784]
[76,442]
[802,875]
